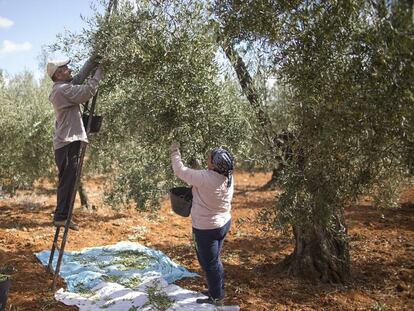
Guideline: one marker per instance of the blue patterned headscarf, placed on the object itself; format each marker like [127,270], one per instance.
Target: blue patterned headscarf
[223,163]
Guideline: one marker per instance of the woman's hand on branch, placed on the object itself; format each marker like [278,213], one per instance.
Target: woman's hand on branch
[175,146]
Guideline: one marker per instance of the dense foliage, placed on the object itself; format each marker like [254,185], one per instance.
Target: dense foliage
[356,123]
[162,84]
[347,67]
[26,122]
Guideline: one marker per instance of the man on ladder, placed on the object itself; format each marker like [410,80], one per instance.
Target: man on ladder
[68,93]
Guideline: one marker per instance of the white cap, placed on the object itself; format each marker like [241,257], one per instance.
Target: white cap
[53,65]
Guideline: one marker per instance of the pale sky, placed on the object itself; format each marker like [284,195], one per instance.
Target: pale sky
[26,25]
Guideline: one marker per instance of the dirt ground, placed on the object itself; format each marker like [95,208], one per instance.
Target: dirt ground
[382,250]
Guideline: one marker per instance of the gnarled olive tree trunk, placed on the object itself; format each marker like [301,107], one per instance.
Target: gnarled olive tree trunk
[83,196]
[320,254]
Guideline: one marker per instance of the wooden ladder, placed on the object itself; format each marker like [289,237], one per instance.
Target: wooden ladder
[55,245]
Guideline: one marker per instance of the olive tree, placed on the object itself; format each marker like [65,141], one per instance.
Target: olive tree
[26,122]
[162,83]
[347,66]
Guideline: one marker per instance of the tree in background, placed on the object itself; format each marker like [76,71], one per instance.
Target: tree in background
[26,122]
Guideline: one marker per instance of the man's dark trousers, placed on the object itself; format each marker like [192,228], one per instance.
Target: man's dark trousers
[67,160]
[208,247]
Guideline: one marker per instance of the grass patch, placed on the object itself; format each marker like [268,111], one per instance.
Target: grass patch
[7,269]
[378,306]
[128,259]
[83,290]
[111,278]
[46,304]
[84,259]
[132,259]
[158,299]
[107,305]
[132,282]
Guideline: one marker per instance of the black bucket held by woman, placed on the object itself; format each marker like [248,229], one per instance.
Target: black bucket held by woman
[181,200]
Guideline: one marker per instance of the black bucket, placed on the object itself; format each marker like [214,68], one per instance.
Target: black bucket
[181,200]
[96,122]
[4,292]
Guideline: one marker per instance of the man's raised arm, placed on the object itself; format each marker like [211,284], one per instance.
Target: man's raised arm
[86,69]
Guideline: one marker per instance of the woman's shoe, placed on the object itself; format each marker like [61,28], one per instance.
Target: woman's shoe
[212,301]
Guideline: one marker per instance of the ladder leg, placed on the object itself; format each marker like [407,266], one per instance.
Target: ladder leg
[61,251]
[52,251]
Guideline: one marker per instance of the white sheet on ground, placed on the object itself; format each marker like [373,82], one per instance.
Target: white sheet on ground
[125,276]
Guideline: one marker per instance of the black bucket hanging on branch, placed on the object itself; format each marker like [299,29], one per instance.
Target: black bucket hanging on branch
[96,121]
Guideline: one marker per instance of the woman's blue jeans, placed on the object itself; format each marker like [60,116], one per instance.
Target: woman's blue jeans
[208,244]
